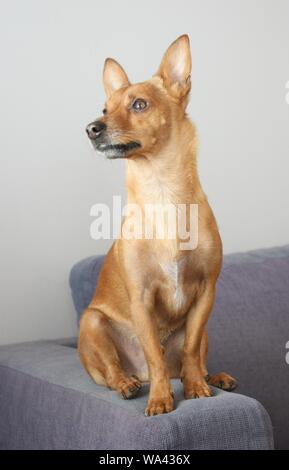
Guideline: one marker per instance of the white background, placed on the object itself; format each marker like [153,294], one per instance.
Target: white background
[51,57]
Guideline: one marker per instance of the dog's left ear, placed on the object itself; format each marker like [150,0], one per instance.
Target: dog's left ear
[175,68]
[114,77]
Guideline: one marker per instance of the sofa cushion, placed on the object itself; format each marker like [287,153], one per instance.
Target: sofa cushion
[49,402]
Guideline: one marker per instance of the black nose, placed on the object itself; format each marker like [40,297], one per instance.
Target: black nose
[95,129]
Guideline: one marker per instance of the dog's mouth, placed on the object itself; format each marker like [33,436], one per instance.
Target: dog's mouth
[113,151]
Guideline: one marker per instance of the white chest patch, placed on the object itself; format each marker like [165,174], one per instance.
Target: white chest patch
[173,271]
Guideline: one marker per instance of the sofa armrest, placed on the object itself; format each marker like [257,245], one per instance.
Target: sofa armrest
[49,402]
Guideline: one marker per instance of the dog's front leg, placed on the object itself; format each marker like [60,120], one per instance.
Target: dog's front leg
[160,397]
[192,372]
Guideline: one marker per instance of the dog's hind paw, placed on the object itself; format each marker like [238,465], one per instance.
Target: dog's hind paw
[223,381]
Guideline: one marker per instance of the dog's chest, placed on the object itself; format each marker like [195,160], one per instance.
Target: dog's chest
[173,272]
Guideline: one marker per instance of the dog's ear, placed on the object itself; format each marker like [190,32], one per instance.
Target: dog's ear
[175,68]
[114,77]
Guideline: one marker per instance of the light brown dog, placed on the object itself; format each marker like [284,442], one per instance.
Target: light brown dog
[147,319]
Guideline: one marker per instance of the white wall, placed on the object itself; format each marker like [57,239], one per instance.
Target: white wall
[51,56]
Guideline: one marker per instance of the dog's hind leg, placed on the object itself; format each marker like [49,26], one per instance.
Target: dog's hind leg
[99,355]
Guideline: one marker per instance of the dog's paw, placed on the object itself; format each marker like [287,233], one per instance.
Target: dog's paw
[223,381]
[128,387]
[158,406]
[197,389]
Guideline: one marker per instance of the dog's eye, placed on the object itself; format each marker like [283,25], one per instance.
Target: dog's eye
[139,105]
[104,111]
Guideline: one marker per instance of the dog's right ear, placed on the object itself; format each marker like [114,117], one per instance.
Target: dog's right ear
[114,77]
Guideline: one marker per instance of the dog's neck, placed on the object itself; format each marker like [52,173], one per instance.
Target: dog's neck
[170,176]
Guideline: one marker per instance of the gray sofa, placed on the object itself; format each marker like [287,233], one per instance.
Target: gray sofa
[47,401]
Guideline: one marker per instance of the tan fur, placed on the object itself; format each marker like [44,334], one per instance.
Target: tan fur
[144,319]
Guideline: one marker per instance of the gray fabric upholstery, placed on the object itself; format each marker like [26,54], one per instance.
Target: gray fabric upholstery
[248,329]
[49,402]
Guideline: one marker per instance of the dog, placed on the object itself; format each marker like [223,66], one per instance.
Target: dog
[147,319]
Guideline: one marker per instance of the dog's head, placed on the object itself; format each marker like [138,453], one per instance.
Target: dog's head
[140,119]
